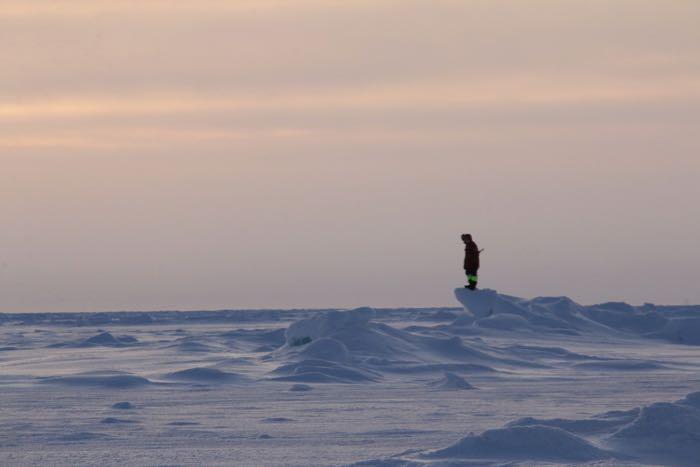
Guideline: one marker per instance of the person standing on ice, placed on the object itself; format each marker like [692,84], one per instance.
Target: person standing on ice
[471,261]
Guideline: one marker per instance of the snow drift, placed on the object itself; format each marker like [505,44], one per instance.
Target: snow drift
[489,310]
[533,443]
[663,432]
[451,381]
[350,346]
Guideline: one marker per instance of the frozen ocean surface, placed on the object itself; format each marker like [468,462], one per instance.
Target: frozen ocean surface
[498,381]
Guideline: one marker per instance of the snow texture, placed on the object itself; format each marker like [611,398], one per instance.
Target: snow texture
[536,443]
[500,381]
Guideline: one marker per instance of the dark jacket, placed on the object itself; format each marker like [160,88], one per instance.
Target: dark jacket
[471,256]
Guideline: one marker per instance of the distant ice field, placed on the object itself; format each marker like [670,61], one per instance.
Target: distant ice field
[498,380]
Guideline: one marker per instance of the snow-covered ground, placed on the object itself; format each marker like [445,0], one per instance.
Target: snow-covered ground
[502,380]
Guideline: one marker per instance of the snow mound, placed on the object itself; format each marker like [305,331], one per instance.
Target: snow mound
[692,399]
[103,339]
[112,380]
[123,406]
[326,349]
[451,381]
[682,331]
[662,430]
[664,433]
[489,311]
[106,339]
[534,443]
[480,303]
[350,346]
[600,424]
[206,375]
[323,371]
[334,346]
[327,324]
[498,312]
[453,348]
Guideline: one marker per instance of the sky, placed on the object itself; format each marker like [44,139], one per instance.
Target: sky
[219,154]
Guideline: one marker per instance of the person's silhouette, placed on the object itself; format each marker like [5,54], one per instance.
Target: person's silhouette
[471,261]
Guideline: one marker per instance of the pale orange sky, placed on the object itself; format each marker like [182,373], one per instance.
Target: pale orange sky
[272,153]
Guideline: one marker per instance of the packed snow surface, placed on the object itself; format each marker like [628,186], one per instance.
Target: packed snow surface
[499,381]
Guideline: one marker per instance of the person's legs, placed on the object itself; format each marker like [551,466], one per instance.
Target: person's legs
[472,278]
